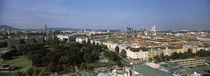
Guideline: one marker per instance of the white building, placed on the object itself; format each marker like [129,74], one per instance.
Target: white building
[63,37]
[98,42]
[179,34]
[80,40]
[153,28]
[113,46]
[137,53]
[169,50]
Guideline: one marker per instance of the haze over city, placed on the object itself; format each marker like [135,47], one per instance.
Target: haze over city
[106,14]
[104,37]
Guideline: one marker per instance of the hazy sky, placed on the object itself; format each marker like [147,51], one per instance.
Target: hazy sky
[106,14]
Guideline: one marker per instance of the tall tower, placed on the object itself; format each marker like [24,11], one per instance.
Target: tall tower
[45,27]
[46,32]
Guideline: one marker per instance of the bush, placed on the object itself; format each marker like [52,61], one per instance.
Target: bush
[29,72]
[9,55]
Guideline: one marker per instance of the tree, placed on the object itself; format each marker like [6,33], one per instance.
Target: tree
[87,57]
[83,66]
[29,72]
[94,55]
[123,53]
[117,49]
[119,63]
[59,68]
[3,44]
[65,54]
[162,57]
[10,54]
[36,60]
[20,73]
[203,53]
[189,50]
[175,55]
[97,43]
[64,59]
[167,57]
[111,55]
[157,58]
[94,43]
[84,42]
[52,68]
[189,53]
[36,72]
[88,41]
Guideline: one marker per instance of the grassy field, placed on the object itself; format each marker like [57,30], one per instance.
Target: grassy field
[95,64]
[51,49]
[7,74]
[148,71]
[21,62]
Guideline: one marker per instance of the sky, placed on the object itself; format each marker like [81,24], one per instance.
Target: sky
[106,14]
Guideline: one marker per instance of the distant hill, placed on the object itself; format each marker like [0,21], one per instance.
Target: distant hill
[6,27]
[62,29]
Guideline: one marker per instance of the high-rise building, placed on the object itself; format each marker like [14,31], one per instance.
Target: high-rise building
[108,31]
[46,32]
[129,29]
[45,27]
[145,31]
[153,28]
[141,29]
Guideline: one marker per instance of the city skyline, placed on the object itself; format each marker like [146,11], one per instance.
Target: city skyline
[104,37]
[106,14]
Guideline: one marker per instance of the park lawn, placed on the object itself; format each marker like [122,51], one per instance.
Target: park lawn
[101,64]
[51,49]
[7,74]
[148,71]
[20,61]
[95,64]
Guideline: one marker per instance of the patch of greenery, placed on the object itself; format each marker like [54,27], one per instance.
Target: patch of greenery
[51,49]
[7,74]
[111,55]
[111,63]
[60,55]
[123,53]
[20,61]
[95,64]
[188,54]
